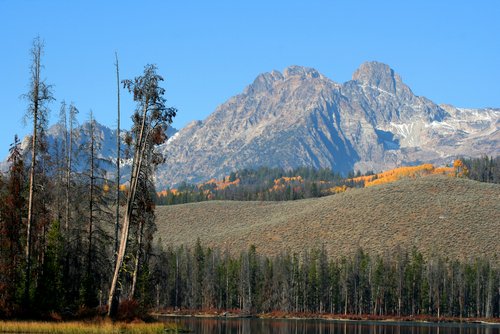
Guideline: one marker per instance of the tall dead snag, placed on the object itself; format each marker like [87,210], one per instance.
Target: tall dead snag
[150,123]
[69,159]
[98,213]
[38,97]
[92,152]
[60,148]
[117,221]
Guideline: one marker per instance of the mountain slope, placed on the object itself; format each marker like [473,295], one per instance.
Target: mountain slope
[302,118]
[452,217]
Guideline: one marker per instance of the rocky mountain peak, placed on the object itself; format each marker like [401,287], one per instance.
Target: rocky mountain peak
[298,117]
[378,75]
[264,82]
[301,72]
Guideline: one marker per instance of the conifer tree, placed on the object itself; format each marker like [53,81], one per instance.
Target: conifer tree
[150,123]
[12,207]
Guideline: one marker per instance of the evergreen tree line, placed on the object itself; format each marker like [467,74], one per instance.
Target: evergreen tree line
[402,283]
[483,169]
[72,246]
[70,234]
[260,185]
[59,225]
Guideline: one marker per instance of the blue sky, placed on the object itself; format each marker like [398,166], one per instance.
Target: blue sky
[448,51]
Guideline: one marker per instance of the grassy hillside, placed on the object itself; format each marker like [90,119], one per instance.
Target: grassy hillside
[457,218]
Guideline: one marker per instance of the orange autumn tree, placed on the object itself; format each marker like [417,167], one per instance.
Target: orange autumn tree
[401,172]
[460,169]
[404,172]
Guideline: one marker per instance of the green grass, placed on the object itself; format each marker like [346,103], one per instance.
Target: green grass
[75,327]
[454,218]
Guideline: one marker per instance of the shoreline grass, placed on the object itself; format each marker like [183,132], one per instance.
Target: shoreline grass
[80,327]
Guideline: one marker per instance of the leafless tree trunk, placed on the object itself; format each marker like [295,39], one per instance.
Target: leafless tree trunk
[177,279]
[60,149]
[345,288]
[136,167]
[72,114]
[30,209]
[117,222]
[478,290]
[38,96]
[36,53]
[91,195]
[137,257]
[489,294]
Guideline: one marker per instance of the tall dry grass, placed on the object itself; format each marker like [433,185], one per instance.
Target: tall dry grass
[76,327]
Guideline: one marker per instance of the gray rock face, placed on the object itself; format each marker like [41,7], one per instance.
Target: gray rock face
[301,118]
[379,76]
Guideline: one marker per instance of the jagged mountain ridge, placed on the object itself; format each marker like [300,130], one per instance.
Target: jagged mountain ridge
[302,118]
[105,149]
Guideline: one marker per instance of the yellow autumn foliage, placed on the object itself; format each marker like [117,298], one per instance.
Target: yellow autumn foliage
[226,183]
[285,179]
[281,183]
[338,189]
[106,187]
[221,185]
[443,170]
[460,168]
[364,178]
[168,191]
[403,172]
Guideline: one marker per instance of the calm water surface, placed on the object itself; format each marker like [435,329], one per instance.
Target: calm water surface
[268,326]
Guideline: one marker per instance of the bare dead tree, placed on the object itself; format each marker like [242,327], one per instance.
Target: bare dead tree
[38,97]
[92,152]
[69,160]
[117,221]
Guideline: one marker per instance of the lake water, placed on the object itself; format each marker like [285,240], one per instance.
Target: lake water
[272,326]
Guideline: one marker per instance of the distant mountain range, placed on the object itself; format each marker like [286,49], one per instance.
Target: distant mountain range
[106,148]
[302,118]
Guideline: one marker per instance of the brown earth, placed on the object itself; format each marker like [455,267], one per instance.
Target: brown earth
[450,217]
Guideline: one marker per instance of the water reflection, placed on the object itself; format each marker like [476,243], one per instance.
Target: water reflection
[261,326]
